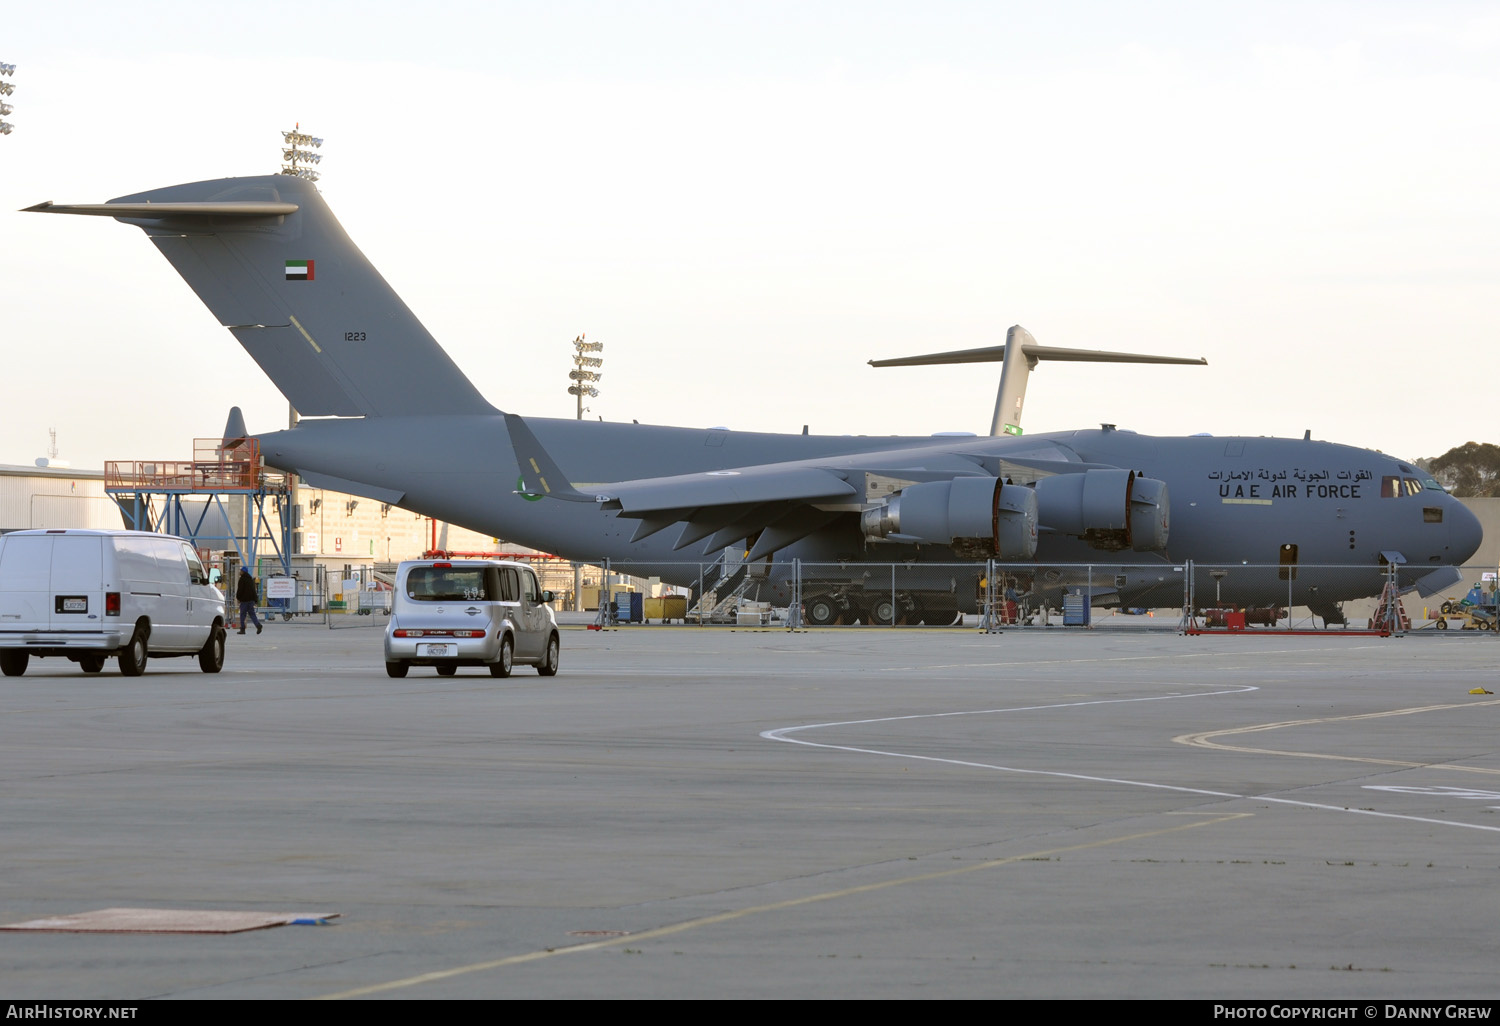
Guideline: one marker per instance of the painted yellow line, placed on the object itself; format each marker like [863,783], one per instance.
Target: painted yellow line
[1203,739]
[298,325]
[725,917]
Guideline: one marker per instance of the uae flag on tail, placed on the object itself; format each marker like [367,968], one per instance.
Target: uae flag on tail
[299,270]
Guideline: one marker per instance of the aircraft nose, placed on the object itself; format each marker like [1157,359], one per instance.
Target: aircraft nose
[1464,533]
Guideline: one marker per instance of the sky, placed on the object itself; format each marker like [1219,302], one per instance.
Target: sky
[747,202]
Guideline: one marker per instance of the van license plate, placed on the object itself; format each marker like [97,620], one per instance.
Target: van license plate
[438,650]
[72,604]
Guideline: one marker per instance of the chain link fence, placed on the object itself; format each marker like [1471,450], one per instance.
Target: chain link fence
[994,595]
[335,598]
[988,595]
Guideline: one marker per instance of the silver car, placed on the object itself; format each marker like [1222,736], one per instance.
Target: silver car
[473,612]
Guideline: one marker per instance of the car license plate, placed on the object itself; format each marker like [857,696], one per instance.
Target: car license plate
[72,604]
[438,650]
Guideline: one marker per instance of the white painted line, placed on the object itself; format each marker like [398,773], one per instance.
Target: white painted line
[781,734]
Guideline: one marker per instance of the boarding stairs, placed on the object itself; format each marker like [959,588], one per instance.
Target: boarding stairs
[724,584]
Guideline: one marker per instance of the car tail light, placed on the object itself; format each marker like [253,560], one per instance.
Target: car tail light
[468,634]
[111,603]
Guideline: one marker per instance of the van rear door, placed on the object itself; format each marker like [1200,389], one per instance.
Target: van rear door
[26,583]
[76,582]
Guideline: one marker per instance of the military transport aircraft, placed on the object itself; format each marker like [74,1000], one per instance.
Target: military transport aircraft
[388,415]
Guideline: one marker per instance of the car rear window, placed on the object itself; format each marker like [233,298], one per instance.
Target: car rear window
[452,584]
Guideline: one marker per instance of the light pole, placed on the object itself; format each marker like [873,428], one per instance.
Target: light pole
[294,151]
[581,375]
[6,88]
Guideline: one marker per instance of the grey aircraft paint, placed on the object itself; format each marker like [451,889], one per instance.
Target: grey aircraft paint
[385,405]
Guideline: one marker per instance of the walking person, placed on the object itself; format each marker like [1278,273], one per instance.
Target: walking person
[246,593]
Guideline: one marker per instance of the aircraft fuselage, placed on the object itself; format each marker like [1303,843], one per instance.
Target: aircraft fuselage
[1232,500]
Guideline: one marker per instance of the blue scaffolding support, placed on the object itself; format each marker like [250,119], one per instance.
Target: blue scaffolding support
[182,498]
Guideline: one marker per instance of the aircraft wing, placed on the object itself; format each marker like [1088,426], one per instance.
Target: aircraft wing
[980,501]
[777,500]
[777,504]
[679,493]
[683,493]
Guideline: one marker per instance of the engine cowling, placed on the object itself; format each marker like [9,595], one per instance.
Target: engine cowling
[978,517]
[1109,509]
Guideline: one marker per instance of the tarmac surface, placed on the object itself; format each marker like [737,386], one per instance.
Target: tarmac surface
[844,813]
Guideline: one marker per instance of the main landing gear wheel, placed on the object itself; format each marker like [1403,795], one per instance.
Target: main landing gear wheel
[822,610]
[507,660]
[882,612]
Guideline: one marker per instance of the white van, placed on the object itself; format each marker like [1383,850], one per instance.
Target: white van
[89,595]
[470,612]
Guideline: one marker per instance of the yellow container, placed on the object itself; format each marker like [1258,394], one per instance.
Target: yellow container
[665,607]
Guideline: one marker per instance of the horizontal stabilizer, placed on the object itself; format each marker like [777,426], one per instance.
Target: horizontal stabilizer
[996,354]
[155,211]
[1018,357]
[271,262]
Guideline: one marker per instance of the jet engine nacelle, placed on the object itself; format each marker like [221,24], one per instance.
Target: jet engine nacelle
[1108,509]
[978,517]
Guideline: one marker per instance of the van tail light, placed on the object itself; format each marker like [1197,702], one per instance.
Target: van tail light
[111,603]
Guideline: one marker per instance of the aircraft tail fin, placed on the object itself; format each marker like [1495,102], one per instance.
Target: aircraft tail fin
[1018,357]
[234,426]
[272,263]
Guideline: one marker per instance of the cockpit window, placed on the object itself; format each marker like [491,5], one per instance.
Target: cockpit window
[1393,487]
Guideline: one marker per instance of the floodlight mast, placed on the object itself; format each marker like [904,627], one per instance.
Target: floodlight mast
[6,88]
[582,377]
[294,151]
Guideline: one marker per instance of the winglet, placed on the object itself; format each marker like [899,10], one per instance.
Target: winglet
[539,474]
